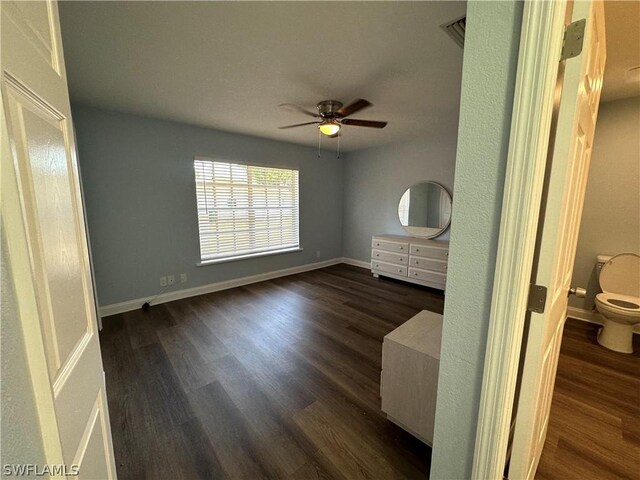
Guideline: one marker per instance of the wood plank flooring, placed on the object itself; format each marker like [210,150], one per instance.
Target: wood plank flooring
[594,428]
[278,379]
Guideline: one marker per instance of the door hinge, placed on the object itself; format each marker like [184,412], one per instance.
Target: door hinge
[573,39]
[537,298]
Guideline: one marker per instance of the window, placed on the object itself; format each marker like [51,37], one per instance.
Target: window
[245,210]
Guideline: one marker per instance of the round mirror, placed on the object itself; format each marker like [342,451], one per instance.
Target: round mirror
[425,209]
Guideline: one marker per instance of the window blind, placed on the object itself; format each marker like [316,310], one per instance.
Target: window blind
[245,209]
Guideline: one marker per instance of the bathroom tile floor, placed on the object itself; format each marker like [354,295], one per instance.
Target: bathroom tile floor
[594,428]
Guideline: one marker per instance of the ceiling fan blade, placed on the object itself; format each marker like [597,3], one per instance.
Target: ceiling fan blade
[291,106]
[353,107]
[363,123]
[298,125]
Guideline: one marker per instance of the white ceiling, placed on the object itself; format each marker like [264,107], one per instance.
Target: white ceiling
[622,19]
[227,65]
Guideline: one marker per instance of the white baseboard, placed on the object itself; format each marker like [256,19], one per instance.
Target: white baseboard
[130,305]
[356,263]
[589,316]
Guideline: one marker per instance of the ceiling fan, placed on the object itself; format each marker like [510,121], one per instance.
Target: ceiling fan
[332,115]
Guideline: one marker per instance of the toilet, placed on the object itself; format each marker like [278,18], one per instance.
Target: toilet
[619,302]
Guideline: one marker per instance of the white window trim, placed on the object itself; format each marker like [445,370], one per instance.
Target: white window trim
[246,256]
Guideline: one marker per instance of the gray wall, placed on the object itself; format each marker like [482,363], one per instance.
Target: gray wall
[139,191]
[375,179]
[611,215]
[490,59]
[20,439]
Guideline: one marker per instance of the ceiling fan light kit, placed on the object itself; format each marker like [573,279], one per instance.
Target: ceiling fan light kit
[329,127]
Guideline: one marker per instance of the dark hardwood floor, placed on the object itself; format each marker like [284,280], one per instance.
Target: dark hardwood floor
[278,379]
[594,428]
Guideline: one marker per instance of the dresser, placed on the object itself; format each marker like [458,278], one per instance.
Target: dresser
[412,259]
[409,377]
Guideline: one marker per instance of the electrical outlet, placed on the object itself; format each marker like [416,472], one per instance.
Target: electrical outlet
[171,280]
[163,281]
[183,278]
[318,254]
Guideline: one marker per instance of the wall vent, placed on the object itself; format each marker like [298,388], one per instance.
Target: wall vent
[456,29]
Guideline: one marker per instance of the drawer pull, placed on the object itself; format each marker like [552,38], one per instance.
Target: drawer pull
[401,248]
[415,274]
[377,244]
[377,254]
[400,270]
[417,249]
[377,265]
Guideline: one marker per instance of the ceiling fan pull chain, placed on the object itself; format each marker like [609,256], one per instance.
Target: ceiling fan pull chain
[338,146]
[319,140]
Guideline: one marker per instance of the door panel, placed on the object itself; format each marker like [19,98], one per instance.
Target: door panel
[45,163]
[558,235]
[38,121]
[33,20]
[81,383]
[90,457]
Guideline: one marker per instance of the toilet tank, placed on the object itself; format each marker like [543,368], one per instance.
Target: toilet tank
[601,260]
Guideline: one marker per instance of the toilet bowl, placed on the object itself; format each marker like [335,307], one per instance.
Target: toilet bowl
[619,302]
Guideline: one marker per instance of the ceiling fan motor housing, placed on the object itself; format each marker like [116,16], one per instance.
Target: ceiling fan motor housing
[328,108]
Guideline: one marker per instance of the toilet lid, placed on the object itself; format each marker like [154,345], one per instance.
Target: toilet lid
[621,274]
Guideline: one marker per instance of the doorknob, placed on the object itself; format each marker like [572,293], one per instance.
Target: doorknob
[579,292]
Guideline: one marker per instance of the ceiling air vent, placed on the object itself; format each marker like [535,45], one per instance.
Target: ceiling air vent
[455,30]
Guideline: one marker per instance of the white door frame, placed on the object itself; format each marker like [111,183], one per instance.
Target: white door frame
[539,56]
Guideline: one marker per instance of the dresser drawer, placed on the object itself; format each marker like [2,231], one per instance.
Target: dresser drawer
[389,257]
[389,246]
[429,252]
[388,268]
[428,263]
[436,278]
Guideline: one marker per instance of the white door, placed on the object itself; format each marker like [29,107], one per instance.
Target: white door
[44,226]
[558,236]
